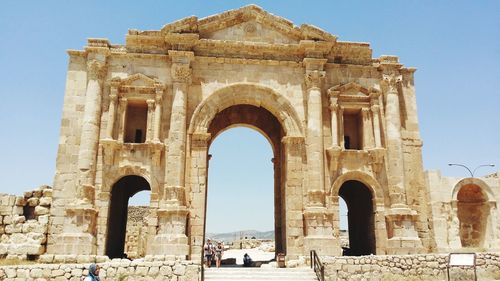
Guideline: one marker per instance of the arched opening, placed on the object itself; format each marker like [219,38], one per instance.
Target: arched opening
[121,192]
[360,218]
[267,125]
[473,212]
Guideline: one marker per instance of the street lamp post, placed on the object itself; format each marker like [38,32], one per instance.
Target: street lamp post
[475,169]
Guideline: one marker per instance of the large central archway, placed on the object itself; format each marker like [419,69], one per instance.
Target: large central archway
[271,114]
[264,122]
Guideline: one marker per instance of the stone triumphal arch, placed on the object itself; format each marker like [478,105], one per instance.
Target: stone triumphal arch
[141,116]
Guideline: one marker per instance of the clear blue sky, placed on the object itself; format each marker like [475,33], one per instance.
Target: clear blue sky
[454,44]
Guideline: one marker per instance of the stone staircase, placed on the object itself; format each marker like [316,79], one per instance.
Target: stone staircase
[259,274]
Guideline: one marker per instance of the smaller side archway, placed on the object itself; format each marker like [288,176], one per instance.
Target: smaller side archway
[121,192]
[473,210]
[360,216]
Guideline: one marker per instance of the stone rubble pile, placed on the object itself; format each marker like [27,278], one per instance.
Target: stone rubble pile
[24,223]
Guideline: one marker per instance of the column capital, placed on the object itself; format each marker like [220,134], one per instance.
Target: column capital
[113,97]
[314,72]
[200,139]
[392,82]
[314,79]
[291,140]
[96,70]
[365,110]
[123,101]
[181,73]
[151,103]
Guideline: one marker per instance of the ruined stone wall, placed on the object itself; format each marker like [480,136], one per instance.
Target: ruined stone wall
[407,267]
[23,223]
[445,211]
[119,269]
[135,239]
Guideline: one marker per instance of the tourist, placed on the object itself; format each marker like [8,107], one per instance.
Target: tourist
[247,260]
[93,273]
[219,251]
[208,250]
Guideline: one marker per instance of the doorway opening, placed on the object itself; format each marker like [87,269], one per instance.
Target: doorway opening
[360,218]
[121,192]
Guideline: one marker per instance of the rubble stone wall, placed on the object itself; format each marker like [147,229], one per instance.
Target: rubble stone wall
[23,223]
[135,239]
[408,267]
[117,269]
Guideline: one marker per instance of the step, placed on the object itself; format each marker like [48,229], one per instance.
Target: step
[259,274]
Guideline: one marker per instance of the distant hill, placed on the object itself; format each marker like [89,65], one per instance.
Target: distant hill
[231,236]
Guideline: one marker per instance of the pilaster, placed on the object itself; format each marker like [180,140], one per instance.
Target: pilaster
[401,220]
[173,210]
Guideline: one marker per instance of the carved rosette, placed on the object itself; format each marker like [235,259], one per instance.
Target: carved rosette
[96,70]
[181,73]
[314,79]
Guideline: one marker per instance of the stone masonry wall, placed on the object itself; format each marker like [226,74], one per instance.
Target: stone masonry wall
[23,223]
[117,269]
[408,267]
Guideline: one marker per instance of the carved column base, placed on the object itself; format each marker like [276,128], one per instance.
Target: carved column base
[171,237]
[79,233]
[319,232]
[403,238]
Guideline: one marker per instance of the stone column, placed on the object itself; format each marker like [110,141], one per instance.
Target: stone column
[113,97]
[314,138]
[173,208]
[367,129]
[149,125]
[400,218]
[79,227]
[89,137]
[317,219]
[157,121]
[123,119]
[376,119]
[394,142]
[334,107]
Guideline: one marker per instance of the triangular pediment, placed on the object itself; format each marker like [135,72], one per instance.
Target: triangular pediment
[249,23]
[351,89]
[138,80]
